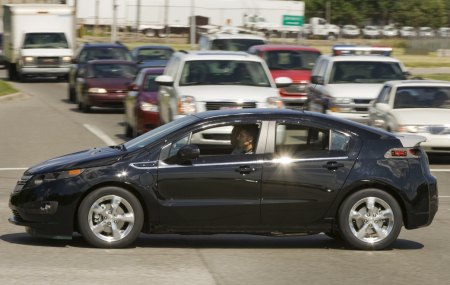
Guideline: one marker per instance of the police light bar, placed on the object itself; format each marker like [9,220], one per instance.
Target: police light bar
[360,50]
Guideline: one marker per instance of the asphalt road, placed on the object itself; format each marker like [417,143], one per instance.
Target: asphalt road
[40,124]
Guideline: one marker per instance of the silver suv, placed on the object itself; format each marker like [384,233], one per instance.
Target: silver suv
[344,83]
[199,81]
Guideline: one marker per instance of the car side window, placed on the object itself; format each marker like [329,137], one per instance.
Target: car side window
[218,142]
[299,141]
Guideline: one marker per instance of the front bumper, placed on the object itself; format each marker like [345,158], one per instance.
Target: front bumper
[107,100]
[48,71]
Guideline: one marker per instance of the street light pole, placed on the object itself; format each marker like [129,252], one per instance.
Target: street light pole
[192,30]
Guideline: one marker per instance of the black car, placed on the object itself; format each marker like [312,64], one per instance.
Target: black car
[308,173]
[94,51]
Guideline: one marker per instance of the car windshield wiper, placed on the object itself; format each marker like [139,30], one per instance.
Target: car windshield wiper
[120,147]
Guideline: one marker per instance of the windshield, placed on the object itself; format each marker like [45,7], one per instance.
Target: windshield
[112,70]
[150,84]
[159,133]
[45,40]
[291,59]
[365,72]
[235,44]
[422,97]
[154,54]
[224,72]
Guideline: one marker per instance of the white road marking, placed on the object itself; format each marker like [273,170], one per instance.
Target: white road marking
[13,168]
[100,134]
[440,170]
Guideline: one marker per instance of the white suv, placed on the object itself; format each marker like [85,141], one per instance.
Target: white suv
[343,84]
[198,81]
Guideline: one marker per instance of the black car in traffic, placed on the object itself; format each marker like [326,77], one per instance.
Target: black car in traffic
[307,173]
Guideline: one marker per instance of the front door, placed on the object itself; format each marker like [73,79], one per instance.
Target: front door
[220,190]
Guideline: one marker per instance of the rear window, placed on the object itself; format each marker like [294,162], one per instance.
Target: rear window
[235,44]
[105,53]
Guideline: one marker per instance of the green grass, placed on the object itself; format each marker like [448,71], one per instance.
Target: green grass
[443,76]
[6,89]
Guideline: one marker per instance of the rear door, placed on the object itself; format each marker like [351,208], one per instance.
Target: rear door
[305,166]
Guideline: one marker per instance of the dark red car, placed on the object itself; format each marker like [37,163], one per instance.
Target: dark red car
[141,103]
[103,83]
[295,62]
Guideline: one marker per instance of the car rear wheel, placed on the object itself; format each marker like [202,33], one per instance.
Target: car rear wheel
[370,219]
[110,217]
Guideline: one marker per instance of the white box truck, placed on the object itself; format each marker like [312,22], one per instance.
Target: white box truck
[38,40]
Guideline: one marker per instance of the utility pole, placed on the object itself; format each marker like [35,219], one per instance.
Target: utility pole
[114,23]
[192,30]
[138,15]
[96,15]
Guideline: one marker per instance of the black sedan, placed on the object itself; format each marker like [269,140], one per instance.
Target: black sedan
[307,173]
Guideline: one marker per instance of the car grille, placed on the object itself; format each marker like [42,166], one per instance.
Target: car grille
[295,89]
[48,61]
[210,106]
[365,105]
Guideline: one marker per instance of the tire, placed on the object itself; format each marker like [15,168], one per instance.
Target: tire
[128,131]
[366,226]
[71,94]
[107,226]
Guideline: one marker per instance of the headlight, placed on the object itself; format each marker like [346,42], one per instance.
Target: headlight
[66,59]
[28,60]
[97,90]
[47,177]
[274,102]
[341,105]
[412,129]
[148,107]
[186,105]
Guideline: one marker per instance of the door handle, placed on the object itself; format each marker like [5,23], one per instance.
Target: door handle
[333,165]
[245,169]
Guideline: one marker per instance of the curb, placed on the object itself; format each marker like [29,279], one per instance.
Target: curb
[13,96]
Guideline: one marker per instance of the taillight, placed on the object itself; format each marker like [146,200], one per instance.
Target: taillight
[406,152]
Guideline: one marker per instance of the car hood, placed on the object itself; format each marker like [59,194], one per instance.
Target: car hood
[149,96]
[110,83]
[355,90]
[51,52]
[83,159]
[228,92]
[415,116]
[295,75]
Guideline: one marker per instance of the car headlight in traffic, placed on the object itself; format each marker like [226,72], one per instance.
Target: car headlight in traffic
[97,90]
[341,105]
[186,105]
[412,129]
[66,60]
[28,60]
[274,102]
[148,107]
[48,177]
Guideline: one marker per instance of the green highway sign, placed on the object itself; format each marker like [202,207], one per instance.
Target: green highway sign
[290,20]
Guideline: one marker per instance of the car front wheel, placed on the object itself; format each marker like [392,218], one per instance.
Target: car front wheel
[110,217]
[370,219]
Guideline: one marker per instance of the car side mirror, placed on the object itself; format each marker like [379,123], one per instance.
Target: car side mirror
[317,79]
[133,87]
[281,82]
[406,74]
[188,152]
[164,80]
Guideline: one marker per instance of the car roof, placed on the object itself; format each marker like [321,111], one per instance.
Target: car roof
[352,57]
[153,47]
[152,70]
[273,47]
[401,83]
[109,61]
[104,45]
[234,36]
[217,55]
[311,116]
